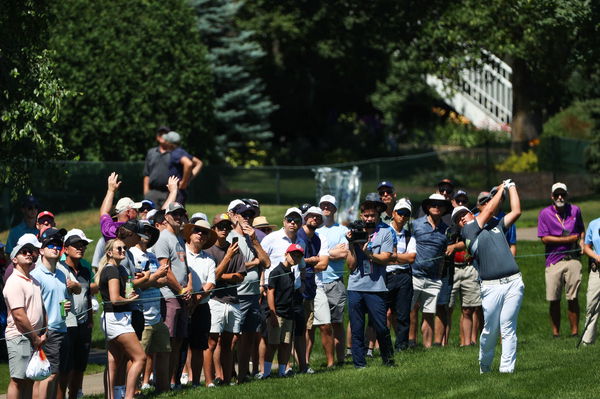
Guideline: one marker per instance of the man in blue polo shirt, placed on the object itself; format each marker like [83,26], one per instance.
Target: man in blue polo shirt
[367,291]
[55,289]
[429,232]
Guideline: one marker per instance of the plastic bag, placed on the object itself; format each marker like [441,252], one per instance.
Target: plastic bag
[39,367]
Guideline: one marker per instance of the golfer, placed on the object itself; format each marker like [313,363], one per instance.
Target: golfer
[501,284]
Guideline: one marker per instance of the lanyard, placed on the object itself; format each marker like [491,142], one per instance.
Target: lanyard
[562,223]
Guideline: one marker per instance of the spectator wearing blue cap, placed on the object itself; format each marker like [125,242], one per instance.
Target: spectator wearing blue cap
[29,210]
[387,194]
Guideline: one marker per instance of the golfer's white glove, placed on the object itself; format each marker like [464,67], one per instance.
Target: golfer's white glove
[508,183]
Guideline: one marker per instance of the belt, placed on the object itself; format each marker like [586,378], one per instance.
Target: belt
[462,265]
[503,280]
[399,271]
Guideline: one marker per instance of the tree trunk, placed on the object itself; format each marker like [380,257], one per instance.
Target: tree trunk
[527,118]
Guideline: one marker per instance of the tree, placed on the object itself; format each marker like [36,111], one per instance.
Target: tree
[241,107]
[538,39]
[31,94]
[135,65]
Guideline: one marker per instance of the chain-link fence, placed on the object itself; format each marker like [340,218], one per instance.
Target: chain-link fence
[82,185]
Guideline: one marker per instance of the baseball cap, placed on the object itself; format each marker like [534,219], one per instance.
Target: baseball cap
[25,239]
[483,197]
[234,203]
[293,210]
[373,199]
[198,216]
[126,203]
[241,208]
[219,217]
[43,214]
[328,198]
[559,186]
[294,248]
[313,210]
[75,235]
[385,183]
[151,214]
[458,212]
[403,203]
[174,206]
[53,235]
[163,129]
[148,203]
[172,137]
[460,193]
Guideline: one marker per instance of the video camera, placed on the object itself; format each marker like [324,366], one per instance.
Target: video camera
[358,234]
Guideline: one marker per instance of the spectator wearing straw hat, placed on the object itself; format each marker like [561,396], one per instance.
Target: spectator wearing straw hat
[367,291]
[25,321]
[198,238]
[263,226]
[330,299]
[398,278]
[561,229]
[429,232]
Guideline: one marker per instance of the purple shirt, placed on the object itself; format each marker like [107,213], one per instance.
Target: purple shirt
[108,227]
[550,223]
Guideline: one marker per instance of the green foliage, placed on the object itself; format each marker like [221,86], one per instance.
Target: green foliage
[577,121]
[31,95]
[592,152]
[135,65]
[523,162]
[241,108]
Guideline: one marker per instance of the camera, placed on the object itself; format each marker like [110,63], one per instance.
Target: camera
[358,232]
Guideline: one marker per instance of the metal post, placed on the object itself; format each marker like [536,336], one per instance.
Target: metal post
[277,186]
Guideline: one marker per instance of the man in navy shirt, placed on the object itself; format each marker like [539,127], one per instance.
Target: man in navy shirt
[367,291]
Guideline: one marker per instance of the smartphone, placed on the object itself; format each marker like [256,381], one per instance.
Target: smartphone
[234,240]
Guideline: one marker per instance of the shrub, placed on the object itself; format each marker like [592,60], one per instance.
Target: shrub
[524,162]
[577,121]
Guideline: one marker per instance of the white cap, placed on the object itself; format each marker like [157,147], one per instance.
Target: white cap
[77,232]
[458,211]
[199,215]
[126,203]
[328,198]
[403,203]
[559,186]
[234,203]
[23,240]
[314,210]
[151,213]
[293,210]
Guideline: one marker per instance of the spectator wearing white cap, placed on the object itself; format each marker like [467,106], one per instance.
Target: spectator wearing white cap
[399,275]
[25,321]
[80,319]
[429,232]
[561,229]
[316,258]
[28,238]
[330,298]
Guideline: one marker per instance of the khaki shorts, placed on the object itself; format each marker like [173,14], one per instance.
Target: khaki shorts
[425,293]
[466,283]
[309,312]
[322,313]
[283,333]
[19,352]
[155,338]
[565,273]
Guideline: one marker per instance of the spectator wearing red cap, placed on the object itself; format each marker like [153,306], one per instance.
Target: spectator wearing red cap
[44,221]
[281,315]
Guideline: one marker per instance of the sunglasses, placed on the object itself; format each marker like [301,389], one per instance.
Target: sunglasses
[45,222]
[198,231]
[385,192]
[54,246]
[313,216]
[25,251]
[80,246]
[223,226]
[446,190]
[247,215]
[145,208]
[403,212]
[558,195]
[120,249]
[295,220]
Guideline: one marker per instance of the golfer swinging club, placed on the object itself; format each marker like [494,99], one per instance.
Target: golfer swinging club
[501,283]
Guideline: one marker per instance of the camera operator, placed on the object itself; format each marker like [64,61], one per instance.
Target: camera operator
[371,250]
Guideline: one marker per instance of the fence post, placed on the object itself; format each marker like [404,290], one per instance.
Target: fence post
[277,186]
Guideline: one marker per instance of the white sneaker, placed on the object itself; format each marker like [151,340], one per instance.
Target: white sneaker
[309,370]
[184,378]
[146,386]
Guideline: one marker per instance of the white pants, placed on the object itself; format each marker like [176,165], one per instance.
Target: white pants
[501,304]
[593,296]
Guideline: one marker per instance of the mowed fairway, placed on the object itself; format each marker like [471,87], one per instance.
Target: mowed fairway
[546,367]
